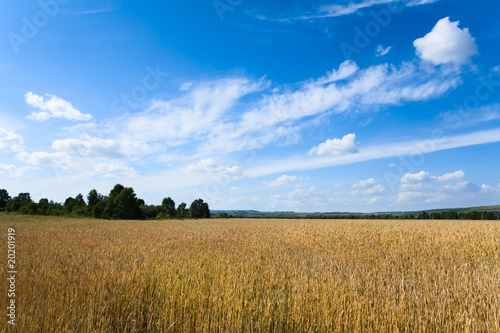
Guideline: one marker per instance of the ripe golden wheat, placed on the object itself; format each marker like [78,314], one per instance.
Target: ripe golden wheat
[239,275]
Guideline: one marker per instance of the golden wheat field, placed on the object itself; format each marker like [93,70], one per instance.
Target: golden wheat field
[241,275]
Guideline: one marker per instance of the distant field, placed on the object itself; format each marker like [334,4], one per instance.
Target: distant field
[242,275]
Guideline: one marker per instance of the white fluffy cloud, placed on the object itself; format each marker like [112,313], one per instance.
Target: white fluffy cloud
[447,43]
[343,146]
[82,158]
[284,180]
[367,187]
[115,170]
[10,170]
[453,176]
[449,188]
[53,107]
[10,142]
[87,146]
[208,166]
[423,176]
[41,158]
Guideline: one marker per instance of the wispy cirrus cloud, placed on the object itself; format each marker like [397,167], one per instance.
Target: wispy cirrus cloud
[466,118]
[382,51]
[337,10]
[369,153]
[277,115]
[90,11]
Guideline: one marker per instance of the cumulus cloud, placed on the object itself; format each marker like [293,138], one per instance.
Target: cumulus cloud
[454,176]
[208,166]
[447,43]
[82,157]
[284,180]
[422,176]
[368,187]
[53,107]
[410,196]
[41,158]
[10,142]
[422,187]
[10,170]
[464,186]
[343,146]
[115,170]
[87,146]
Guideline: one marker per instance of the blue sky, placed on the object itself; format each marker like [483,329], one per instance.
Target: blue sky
[368,105]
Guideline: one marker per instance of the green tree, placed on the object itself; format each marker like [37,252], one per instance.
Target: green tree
[22,199]
[44,206]
[110,208]
[199,209]
[30,208]
[95,204]
[4,198]
[116,190]
[168,207]
[69,204]
[126,205]
[149,211]
[423,216]
[55,208]
[182,211]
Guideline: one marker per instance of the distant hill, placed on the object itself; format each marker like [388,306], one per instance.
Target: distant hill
[481,212]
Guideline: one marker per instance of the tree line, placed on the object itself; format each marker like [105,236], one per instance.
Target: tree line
[121,203]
